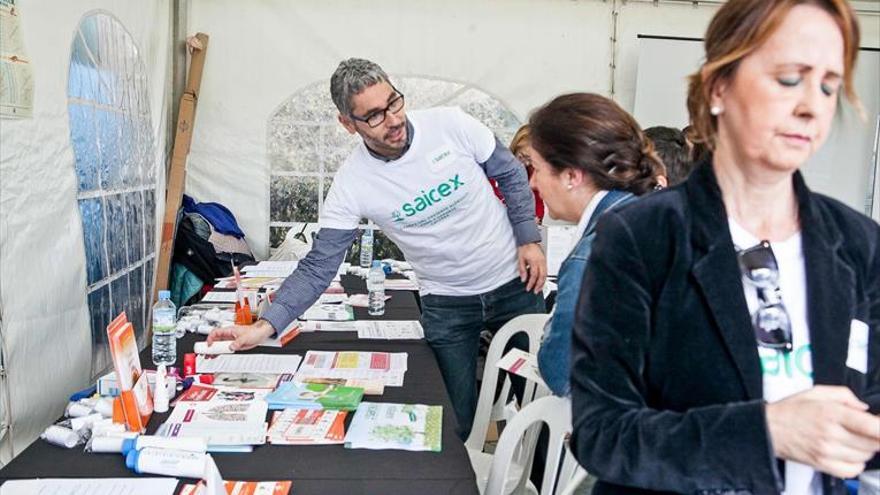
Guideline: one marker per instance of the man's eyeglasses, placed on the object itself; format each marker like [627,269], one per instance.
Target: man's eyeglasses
[771,323]
[374,119]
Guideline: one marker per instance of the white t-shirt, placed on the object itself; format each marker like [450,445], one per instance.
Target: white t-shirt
[785,374]
[435,202]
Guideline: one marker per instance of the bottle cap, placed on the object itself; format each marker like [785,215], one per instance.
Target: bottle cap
[164,294]
[131,460]
[128,444]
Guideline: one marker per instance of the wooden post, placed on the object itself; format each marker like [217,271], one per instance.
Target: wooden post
[176,179]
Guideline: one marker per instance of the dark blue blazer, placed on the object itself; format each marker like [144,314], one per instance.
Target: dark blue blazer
[666,380]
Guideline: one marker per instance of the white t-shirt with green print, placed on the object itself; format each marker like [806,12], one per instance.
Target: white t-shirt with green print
[785,374]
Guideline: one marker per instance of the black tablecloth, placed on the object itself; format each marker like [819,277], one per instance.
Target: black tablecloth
[318,469]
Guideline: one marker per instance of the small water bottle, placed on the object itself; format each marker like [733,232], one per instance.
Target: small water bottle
[164,330]
[367,248]
[376,289]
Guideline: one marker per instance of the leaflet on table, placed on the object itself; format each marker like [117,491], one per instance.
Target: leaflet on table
[388,330]
[314,396]
[331,326]
[359,360]
[329,312]
[270,269]
[522,364]
[332,299]
[243,488]
[378,425]
[370,387]
[199,392]
[247,363]
[307,427]
[264,381]
[389,378]
[90,486]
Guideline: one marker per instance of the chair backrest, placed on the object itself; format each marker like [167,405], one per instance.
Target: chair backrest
[533,326]
[555,412]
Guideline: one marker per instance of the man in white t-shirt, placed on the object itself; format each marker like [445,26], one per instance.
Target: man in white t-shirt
[423,178]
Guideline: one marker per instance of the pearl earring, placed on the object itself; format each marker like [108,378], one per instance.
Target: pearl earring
[715,110]
[569,187]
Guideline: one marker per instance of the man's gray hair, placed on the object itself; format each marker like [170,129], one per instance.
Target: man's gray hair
[351,77]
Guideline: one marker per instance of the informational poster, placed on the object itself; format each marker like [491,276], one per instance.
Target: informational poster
[16,73]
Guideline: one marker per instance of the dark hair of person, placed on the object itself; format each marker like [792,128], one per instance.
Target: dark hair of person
[593,134]
[672,146]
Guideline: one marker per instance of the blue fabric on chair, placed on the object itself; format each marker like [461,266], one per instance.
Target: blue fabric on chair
[218,215]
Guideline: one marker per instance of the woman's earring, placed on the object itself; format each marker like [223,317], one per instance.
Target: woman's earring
[569,186]
[715,110]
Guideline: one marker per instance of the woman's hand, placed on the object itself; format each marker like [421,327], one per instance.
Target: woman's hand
[826,427]
[245,336]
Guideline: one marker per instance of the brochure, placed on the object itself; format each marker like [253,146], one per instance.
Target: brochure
[307,427]
[378,425]
[315,396]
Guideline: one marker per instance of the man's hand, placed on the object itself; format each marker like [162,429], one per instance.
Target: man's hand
[245,337]
[532,266]
[826,427]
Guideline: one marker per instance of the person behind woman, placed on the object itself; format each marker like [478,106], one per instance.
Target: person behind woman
[672,146]
[522,150]
[588,155]
[726,339]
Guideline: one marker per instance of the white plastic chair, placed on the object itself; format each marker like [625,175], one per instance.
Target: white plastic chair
[553,411]
[488,410]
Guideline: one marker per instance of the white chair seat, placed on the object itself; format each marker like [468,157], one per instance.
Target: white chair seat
[482,464]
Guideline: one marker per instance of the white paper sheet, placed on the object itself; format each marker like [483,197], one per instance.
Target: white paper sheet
[91,486]
[221,297]
[248,363]
[385,366]
[522,364]
[400,284]
[558,244]
[270,269]
[388,330]
[329,312]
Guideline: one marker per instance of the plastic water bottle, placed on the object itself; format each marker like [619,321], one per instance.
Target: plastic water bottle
[367,248]
[164,330]
[376,289]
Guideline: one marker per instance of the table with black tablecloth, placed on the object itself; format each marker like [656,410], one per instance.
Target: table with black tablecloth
[314,469]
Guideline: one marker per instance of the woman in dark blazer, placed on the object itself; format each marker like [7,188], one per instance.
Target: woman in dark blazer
[728,332]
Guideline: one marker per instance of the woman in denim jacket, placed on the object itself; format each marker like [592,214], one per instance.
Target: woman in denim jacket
[590,155]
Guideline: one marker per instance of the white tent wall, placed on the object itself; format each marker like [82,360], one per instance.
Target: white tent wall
[46,327]
[521,52]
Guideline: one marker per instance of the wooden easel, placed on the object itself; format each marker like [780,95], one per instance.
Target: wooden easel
[177,173]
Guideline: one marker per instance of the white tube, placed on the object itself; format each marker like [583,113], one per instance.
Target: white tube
[215,348]
[61,436]
[76,410]
[189,444]
[105,445]
[104,407]
[84,422]
[160,394]
[176,463]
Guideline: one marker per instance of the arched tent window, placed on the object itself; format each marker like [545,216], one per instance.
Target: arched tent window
[112,138]
[306,145]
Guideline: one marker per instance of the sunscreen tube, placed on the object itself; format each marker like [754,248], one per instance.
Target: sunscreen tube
[105,407]
[76,410]
[160,395]
[215,348]
[176,463]
[188,444]
[84,422]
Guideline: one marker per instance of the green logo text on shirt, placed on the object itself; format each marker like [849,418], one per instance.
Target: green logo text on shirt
[431,196]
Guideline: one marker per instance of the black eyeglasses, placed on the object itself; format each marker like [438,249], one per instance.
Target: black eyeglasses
[771,323]
[374,119]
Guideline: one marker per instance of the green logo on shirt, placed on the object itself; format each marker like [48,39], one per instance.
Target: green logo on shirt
[430,197]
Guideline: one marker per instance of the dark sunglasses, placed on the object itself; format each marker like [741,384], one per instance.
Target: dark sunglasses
[771,323]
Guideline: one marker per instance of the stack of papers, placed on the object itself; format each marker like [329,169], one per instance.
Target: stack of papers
[315,396]
[250,380]
[227,425]
[378,425]
[247,363]
[269,269]
[307,427]
[92,486]
[385,366]
[390,330]
[242,488]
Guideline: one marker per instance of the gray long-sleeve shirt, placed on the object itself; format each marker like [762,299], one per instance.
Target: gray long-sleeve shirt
[314,272]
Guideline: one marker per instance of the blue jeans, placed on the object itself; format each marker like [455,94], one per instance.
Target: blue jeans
[452,328]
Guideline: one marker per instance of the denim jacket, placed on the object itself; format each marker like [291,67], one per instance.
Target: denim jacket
[554,356]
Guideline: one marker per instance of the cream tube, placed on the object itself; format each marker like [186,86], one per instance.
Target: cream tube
[61,436]
[215,348]
[76,410]
[189,444]
[105,445]
[84,422]
[176,463]
[104,407]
